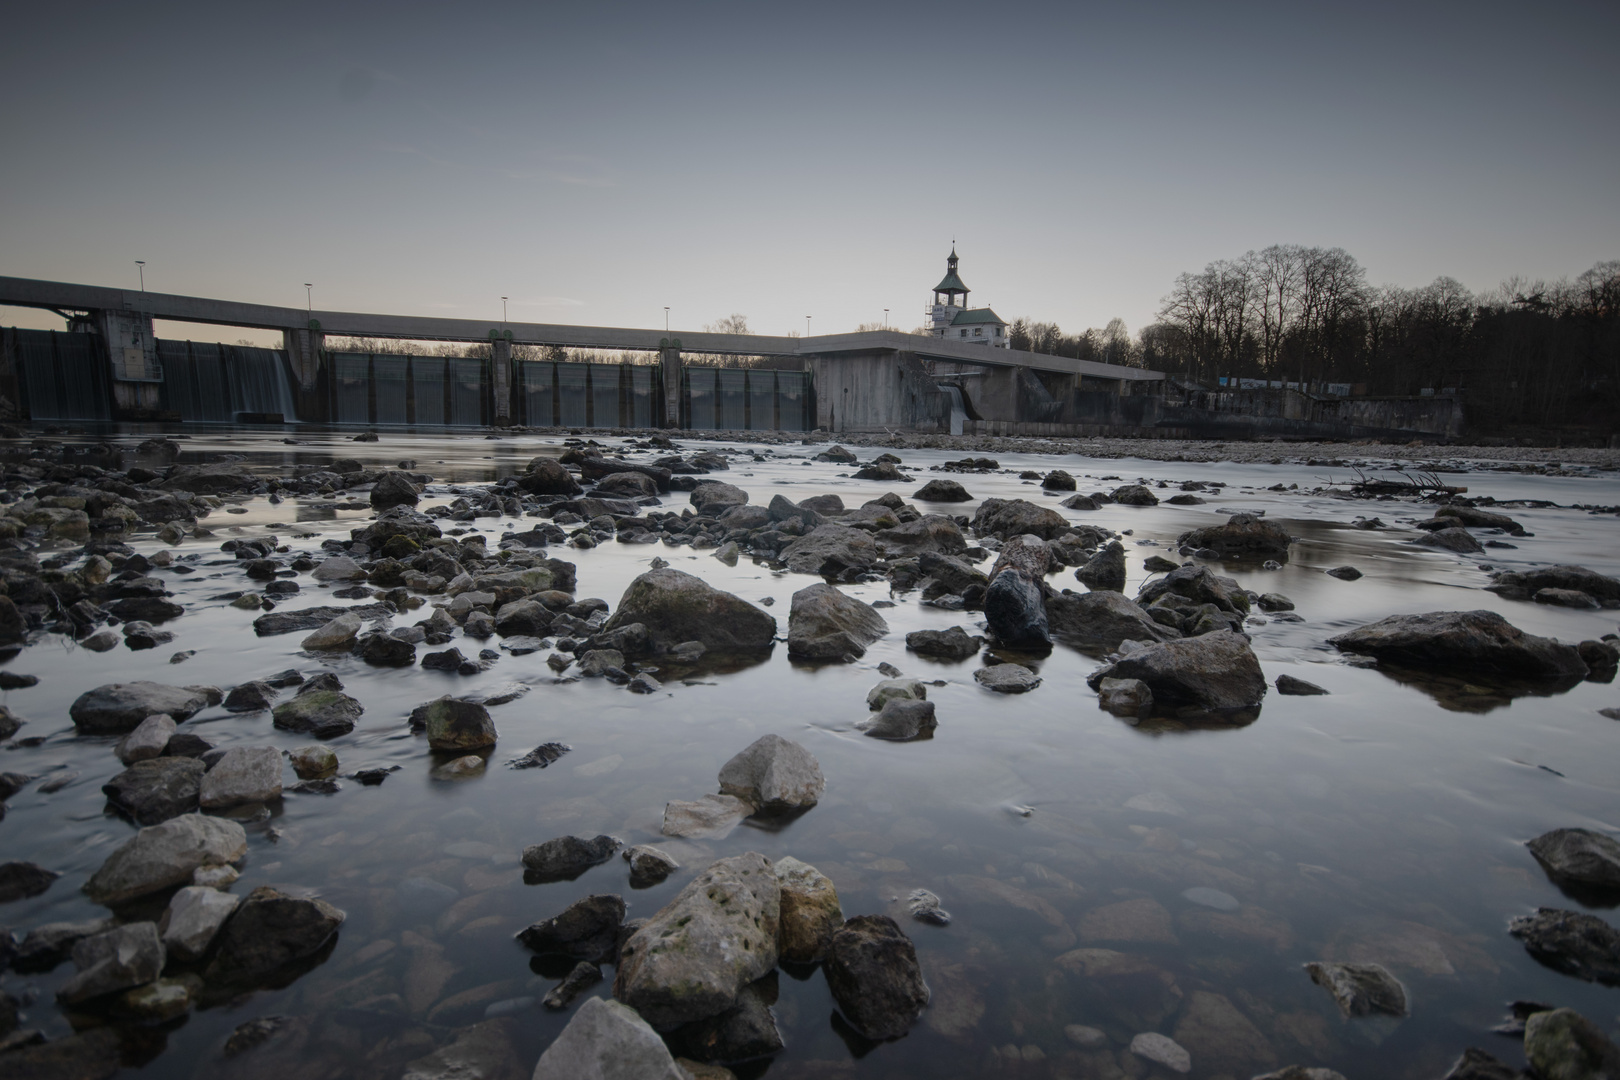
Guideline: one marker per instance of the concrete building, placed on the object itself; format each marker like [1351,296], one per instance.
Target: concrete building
[950,317]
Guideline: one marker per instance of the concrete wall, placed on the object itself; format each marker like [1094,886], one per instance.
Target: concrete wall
[877,392]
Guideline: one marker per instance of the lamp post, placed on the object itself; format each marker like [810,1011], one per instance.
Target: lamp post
[807,326]
[503,313]
[885,318]
[666,318]
[309,301]
[140,265]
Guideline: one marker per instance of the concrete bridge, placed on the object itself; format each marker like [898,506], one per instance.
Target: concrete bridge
[864,381]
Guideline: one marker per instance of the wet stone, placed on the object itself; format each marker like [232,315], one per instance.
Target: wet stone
[606,1040]
[1579,856]
[315,710]
[20,880]
[1576,944]
[952,644]
[901,720]
[923,906]
[586,930]
[1290,686]
[1564,1045]
[1007,678]
[775,774]
[579,979]
[129,955]
[567,857]
[268,931]
[710,817]
[1161,1050]
[156,789]
[873,973]
[649,865]
[1360,989]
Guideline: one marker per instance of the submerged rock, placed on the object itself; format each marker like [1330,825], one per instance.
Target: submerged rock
[567,857]
[1216,672]
[775,774]
[825,624]
[126,956]
[587,930]
[923,906]
[268,931]
[1462,639]
[1576,944]
[485,1051]
[162,856]
[712,816]
[156,789]
[1162,1050]
[607,1041]
[1243,536]
[20,880]
[120,707]
[873,973]
[1360,989]
[718,935]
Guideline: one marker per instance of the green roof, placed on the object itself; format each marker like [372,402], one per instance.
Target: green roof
[970,316]
[950,284]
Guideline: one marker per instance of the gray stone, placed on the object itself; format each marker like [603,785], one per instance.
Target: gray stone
[1344,573]
[1576,944]
[125,956]
[1457,539]
[339,633]
[1244,536]
[394,488]
[195,914]
[1288,685]
[94,1055]
[775,775]
[1161,1050]
[1015,610]
[1104,571]
[830,550]
[485,1051]
[314,762]
[339,568]
[567,857]
[318,711]
[20,880]
[607,1041]
[156,789]
[810,911]
[712,496]
[649,865]
[930,532]
[1125,697]
[121,707]
[675,608]
[873,973]
[244,774]
[1525,584]
[942,491]
[1134,495]
[1360,989]
[455,724]
[1580,856]
[1473,1065]
[1097,622]
[165,855]
[268,931]
[1007,678]
[386,650]
[718,935]
[1564,1045]
[1217,672]
[250,697]
[923,906]
[897,688]
[710,817]
[587,930]
[1481,640]
[825,624]
[1006,518]
[147,740]
[901,720]
[580,978]
[953,644]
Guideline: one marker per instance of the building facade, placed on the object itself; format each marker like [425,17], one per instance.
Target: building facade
[950,317]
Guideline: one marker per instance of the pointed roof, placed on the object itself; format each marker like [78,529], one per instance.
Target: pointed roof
[951,283]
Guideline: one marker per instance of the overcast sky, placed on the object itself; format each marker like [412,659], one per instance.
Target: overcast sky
[596,162]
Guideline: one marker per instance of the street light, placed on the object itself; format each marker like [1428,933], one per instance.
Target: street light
[141,265]
[503,312]
[309,301]
[807,326]
[666,318]
[885,318]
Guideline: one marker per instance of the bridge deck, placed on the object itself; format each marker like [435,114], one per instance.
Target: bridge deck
[55,295]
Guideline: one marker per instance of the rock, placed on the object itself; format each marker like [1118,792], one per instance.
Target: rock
[162,856]
[1578,856]
[810,911]
[1524,584]
[1344,573]
[20,880]
[120,707]
[719,934]
[901,720]
[318,712]
[1220,1038]
[607,1041]
[461,768]
[873,973]
[1143,920]
[1473,1065]
[548,476]
[1462,640]
[825,624]
[594,662]
[1098,622]
[580,978]
[1133,495]
[250,697]
[485,1051]
[1287,684]
[1360,989]
[1125,697]
[385,650]
[567,857]
[774,774]
[1197,585]
[156,789]
[931,532]
[193,917]
[896,688]
[953,644]
[394,488]
[676,608]
[745,1032]
[100,641]
[456,724]
[1007,678]
[94,1055]
[1600,656]
[314,762]
[339,568]
[156,1002]
[923,906]
[126,956]
[942,491]
[587,930]
[1576,944]
[244,774]
[1161,1050]
[1217,672]
[1016,611]
[1301,1072]
[1244,536]
[1568,598]
[1006,518]
[1030,554]
[147,740]
[649,865]
[340,633]
[215,877]
[712,816]
[712,496]
[1104,571]
[1564,1045]
[268,931]
[830,550]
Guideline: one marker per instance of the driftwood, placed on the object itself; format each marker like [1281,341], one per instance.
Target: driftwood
[1421,486]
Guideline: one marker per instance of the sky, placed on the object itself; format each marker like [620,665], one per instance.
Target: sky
[598,162]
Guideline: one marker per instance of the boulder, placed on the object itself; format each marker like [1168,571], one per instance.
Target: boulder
[484,1051]
[1576,944]
[775,775]
[1360,989]
[942,491]
[523,618]
[193,917]
[607,1041]
[675,608]
[1561,1044]
[336,634]
[1524,584]
[162,856]
[1292,687]
[1458,540]
[250,697]
[339,568]
[267,931]
[1220,1038]
[825,624]
[126,956]
[586,930]
[1197,585]
[243,774]
[810,911]
[120,707]
[1007,678]
[953,644]
[595,467]
[1578,856]
[1244,536]
[1125,697]
[711,497]
[566,857]
[627,485]
[716,936]
[1006,518]
[1098,621]
[394,488]
[156,789]
[903,689]
[548,476]
[830,550]
[1027,553]
[1134,495]
[1478,640]
[386,650]
[1216,672]
[873,973]
[1016,611]
[322,713]
[649,865]
[147,740]
[712,816]
[1104,571]
[930,532]
[901,720]
[456,724]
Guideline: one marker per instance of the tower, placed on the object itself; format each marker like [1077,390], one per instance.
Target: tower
[949,288]
[950,317]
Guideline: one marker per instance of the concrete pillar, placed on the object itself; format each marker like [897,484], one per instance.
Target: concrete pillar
[303,346]
[500,371]
[669,360]
[132,353]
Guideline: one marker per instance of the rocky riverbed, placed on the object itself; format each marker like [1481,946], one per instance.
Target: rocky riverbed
[433,756]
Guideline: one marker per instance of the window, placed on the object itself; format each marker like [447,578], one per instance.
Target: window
[978,331]
[998,331]
[964,333]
